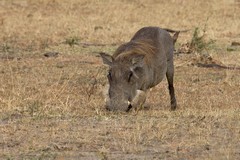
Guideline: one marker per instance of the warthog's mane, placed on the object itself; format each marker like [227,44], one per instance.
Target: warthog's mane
[131,49]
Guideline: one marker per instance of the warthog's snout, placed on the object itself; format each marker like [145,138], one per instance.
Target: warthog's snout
[137,101]
[115,103]
[117,107]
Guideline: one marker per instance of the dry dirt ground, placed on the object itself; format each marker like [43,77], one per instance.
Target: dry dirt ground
[51,78]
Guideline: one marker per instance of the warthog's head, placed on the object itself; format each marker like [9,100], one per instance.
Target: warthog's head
[124,77]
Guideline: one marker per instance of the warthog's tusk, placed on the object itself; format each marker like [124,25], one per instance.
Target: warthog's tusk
[105,94]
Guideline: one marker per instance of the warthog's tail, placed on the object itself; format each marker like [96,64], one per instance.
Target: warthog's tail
[175,37]
[176,33]
[173,31]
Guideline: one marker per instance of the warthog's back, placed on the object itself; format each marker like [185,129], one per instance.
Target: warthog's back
[157,46]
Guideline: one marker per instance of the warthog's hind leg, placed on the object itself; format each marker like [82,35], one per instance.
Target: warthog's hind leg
[170,74]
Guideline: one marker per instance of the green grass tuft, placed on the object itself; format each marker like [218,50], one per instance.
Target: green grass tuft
[199,42]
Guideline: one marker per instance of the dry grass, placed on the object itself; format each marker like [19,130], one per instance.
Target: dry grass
[52,108]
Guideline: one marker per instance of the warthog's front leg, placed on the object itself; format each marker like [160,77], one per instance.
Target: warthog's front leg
[139,99]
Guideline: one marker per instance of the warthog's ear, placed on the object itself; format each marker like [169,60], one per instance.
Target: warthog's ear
[107,59]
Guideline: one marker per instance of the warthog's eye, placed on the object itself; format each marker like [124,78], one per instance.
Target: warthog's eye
[130,76]
[109,76]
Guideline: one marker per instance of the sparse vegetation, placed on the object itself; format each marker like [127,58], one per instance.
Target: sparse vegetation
[72,41]
[199,43]
[52,108]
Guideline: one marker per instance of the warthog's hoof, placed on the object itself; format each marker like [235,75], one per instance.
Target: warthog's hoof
[173,106]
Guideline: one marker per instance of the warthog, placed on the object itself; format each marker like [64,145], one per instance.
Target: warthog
[138,65]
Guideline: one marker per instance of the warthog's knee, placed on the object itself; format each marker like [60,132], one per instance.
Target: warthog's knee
[139,99]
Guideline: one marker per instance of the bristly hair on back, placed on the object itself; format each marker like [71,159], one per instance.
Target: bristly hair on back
[144,47]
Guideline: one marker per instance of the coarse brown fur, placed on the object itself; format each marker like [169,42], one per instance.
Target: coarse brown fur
[143,47]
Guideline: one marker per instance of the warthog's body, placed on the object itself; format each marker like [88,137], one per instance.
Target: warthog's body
[139,65]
